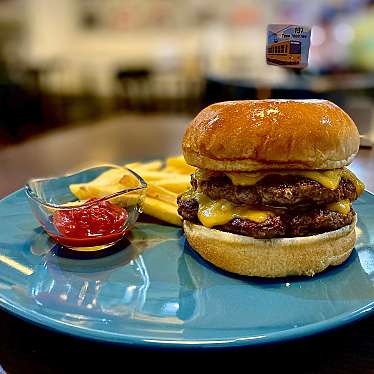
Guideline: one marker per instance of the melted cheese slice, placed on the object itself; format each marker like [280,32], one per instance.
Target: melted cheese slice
[360,186]
[218,212]
[327,178]
[342,206]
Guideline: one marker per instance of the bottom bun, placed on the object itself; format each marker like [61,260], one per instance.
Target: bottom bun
[272,257]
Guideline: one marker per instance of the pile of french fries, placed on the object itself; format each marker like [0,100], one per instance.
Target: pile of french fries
[166,180]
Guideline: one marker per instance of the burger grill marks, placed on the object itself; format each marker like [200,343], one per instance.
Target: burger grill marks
[271,204]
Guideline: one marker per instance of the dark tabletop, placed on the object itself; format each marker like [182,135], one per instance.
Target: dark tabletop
[25,348]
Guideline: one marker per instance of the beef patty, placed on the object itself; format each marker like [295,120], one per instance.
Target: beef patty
[276,190]
[289,224]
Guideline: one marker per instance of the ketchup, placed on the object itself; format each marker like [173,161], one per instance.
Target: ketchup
[91,225]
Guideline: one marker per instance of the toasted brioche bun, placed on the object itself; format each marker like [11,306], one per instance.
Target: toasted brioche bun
[271,134]
[271,257]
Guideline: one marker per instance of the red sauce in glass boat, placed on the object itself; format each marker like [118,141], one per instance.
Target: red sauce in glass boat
[90,225]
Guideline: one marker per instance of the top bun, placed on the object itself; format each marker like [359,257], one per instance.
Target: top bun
[271,134]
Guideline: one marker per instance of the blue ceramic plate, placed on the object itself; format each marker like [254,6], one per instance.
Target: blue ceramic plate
[153,290]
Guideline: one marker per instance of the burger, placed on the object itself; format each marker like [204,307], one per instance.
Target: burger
[271,195]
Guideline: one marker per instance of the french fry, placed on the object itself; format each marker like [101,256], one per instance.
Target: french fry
[161,210]
[109,182]
[128,181]
[80,191]
[178,185]
[109,177]
[89,191]
[155,165]
[162,194]
[174,170]
[179,164]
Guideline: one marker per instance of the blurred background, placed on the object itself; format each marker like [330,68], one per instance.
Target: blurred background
[74,62]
